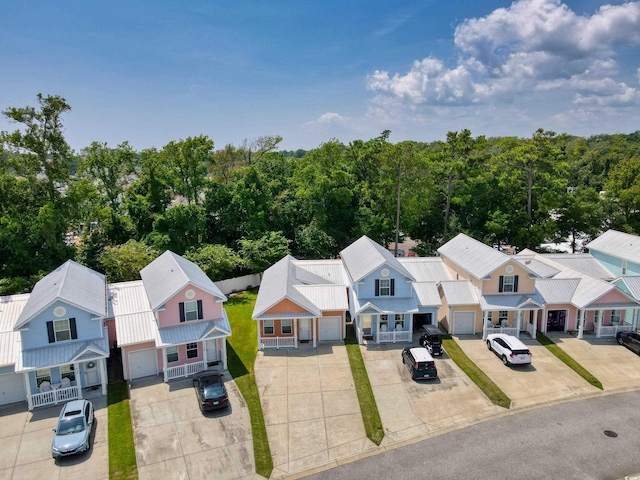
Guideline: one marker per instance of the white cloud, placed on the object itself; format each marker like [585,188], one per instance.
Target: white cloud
[534,46]
[326,119]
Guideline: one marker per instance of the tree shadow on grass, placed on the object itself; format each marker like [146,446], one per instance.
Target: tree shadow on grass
[234,363]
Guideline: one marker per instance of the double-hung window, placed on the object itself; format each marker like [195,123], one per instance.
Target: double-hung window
[285,326]
[267,327]
[509,283]
[192,350]
[503,317]
[399,321]
[172,354]
[66,371]
[191,311]
[385,287]
[43,375]
[62,330]
[384,323]
[615,317]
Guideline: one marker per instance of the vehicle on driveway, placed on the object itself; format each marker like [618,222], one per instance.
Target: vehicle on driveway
[211,392]
[73,432]
[631,340]
[509,348]
[419,362]
[431,339]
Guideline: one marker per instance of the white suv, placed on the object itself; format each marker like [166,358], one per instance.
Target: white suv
[509,348]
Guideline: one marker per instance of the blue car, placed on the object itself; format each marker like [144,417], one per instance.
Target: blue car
[73,433]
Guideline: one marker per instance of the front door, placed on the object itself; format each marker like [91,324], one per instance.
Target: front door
[305,328]
[91,374]
[556,320]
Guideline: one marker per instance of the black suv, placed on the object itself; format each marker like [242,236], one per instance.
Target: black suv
[631,340]
[419,362]
[431,339]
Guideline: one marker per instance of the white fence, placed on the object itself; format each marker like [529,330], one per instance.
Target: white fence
[611,330]
[53,397]
[278,342]
[183,370]
[238,284]
[395,336]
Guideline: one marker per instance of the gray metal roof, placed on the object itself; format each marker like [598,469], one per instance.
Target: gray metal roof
[426,269]
[460,292]
[475,257]
[427,294]
[365,256]
[633,284]
[390,305]
[317,272]
[326,297]
[193,332]
[557,290]
[71,283]
[617,244]
[170,273]
[129,305]
[63,353]
[511,302]
[10,308]
[582,262]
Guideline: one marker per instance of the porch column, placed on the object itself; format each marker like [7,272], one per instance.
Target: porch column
[543,321]
[634,320]
[485,319]
[258,333]
[164,363]
[296,332]
[27,389]
[224,353]
[581,324]
[103,374]
[314,322]
[204,354]
[76,370]
[534,317]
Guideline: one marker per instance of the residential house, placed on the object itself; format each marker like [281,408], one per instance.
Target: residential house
[618,252]
[172,321]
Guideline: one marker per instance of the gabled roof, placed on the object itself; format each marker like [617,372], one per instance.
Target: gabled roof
[527,258]
[10,308]
[170,273]
[633,284]
[427,294]
[325,297]
[318,272]
[364,256]
[193,332]
[582,262]
[62,353]
[617,244]
[426,269]
[475,257]
[389,305]
[510,302]
[460,292]
[557,290]
[71,283]
[129,305]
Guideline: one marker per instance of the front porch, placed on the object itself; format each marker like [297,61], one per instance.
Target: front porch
[193,357]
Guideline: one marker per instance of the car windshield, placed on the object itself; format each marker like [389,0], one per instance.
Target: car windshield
[435,340]
[70,425]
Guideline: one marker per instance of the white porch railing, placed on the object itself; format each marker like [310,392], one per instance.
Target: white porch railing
[611,330]
[531,329]
[506,330]
[278,342]
[395,336]
[53,397]
[183,370]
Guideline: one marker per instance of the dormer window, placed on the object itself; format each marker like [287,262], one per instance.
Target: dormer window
[62,330]
[385,287]
[191,311]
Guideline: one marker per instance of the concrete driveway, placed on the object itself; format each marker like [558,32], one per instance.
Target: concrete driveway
[546,380]
[174,439]
[410,408]
[25,445]
[310,406]
[617,367]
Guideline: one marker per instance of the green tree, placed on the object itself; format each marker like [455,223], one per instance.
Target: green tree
[180,228]
[313,242]
[623,195]
[124,262]
[217,261]
[580,213]
[189,161]
[260,253]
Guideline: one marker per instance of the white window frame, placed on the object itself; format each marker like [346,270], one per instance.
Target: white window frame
[384,320]
[384,286]
[62,327]
[43,375]
[191,347]
[616,315]
[398,318]
[286,327]
[503,316]
[490,318]
[508,286]
[173,350]
[67,371]
[597,317]
[267,324]
[191,310]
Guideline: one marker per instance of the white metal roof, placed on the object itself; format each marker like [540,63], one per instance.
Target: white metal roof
[62,354]
[475,257]
[364,256]
[633,284]
[71,283]
[390,305]
[541,269]
[460,292]
[617,244]
[557,290]
[10,308]
[426,269]
[135,321]
[317,272]
[427,294]
[582,262]
[193,332]
[170,273]
[326,297]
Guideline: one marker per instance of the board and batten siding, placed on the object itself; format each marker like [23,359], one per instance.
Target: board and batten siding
[170,316]
[36,335]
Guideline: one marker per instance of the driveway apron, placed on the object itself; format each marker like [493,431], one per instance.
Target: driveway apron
[174,439]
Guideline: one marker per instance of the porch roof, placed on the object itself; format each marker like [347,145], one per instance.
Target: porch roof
[511,302]
[557,290]
[188,332]
[390,305]
[63,354]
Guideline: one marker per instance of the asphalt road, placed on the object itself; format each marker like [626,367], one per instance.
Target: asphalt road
[565,441]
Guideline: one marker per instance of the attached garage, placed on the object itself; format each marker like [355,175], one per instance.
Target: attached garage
[464,323]
[142,363]
[12,388]
[329,328]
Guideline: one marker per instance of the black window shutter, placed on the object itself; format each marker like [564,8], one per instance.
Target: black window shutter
[200,316]
[515,283]
[377,287]
[181,305]
[501,283]
[52,336]
[393,286]
[74,330]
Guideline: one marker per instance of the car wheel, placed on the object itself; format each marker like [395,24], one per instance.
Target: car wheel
[489,346]
[620,340]
[504,360]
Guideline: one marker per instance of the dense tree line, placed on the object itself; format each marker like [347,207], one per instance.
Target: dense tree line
[239,209]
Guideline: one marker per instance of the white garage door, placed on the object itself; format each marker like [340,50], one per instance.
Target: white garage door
[463,323]
[12,388]
[142,363]
[329,328]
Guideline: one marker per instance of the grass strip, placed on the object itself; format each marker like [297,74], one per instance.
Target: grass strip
[568,360]
[242,348]
[122,452]
[477,376]
[368,406]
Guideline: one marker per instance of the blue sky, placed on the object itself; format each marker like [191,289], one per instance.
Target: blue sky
[154,71]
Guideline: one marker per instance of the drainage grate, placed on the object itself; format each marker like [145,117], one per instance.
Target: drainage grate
[610,433]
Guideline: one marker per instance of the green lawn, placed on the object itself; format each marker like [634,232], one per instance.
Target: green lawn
[242,348]
[490,389]
[122,453]
[568,360]
[368,408]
